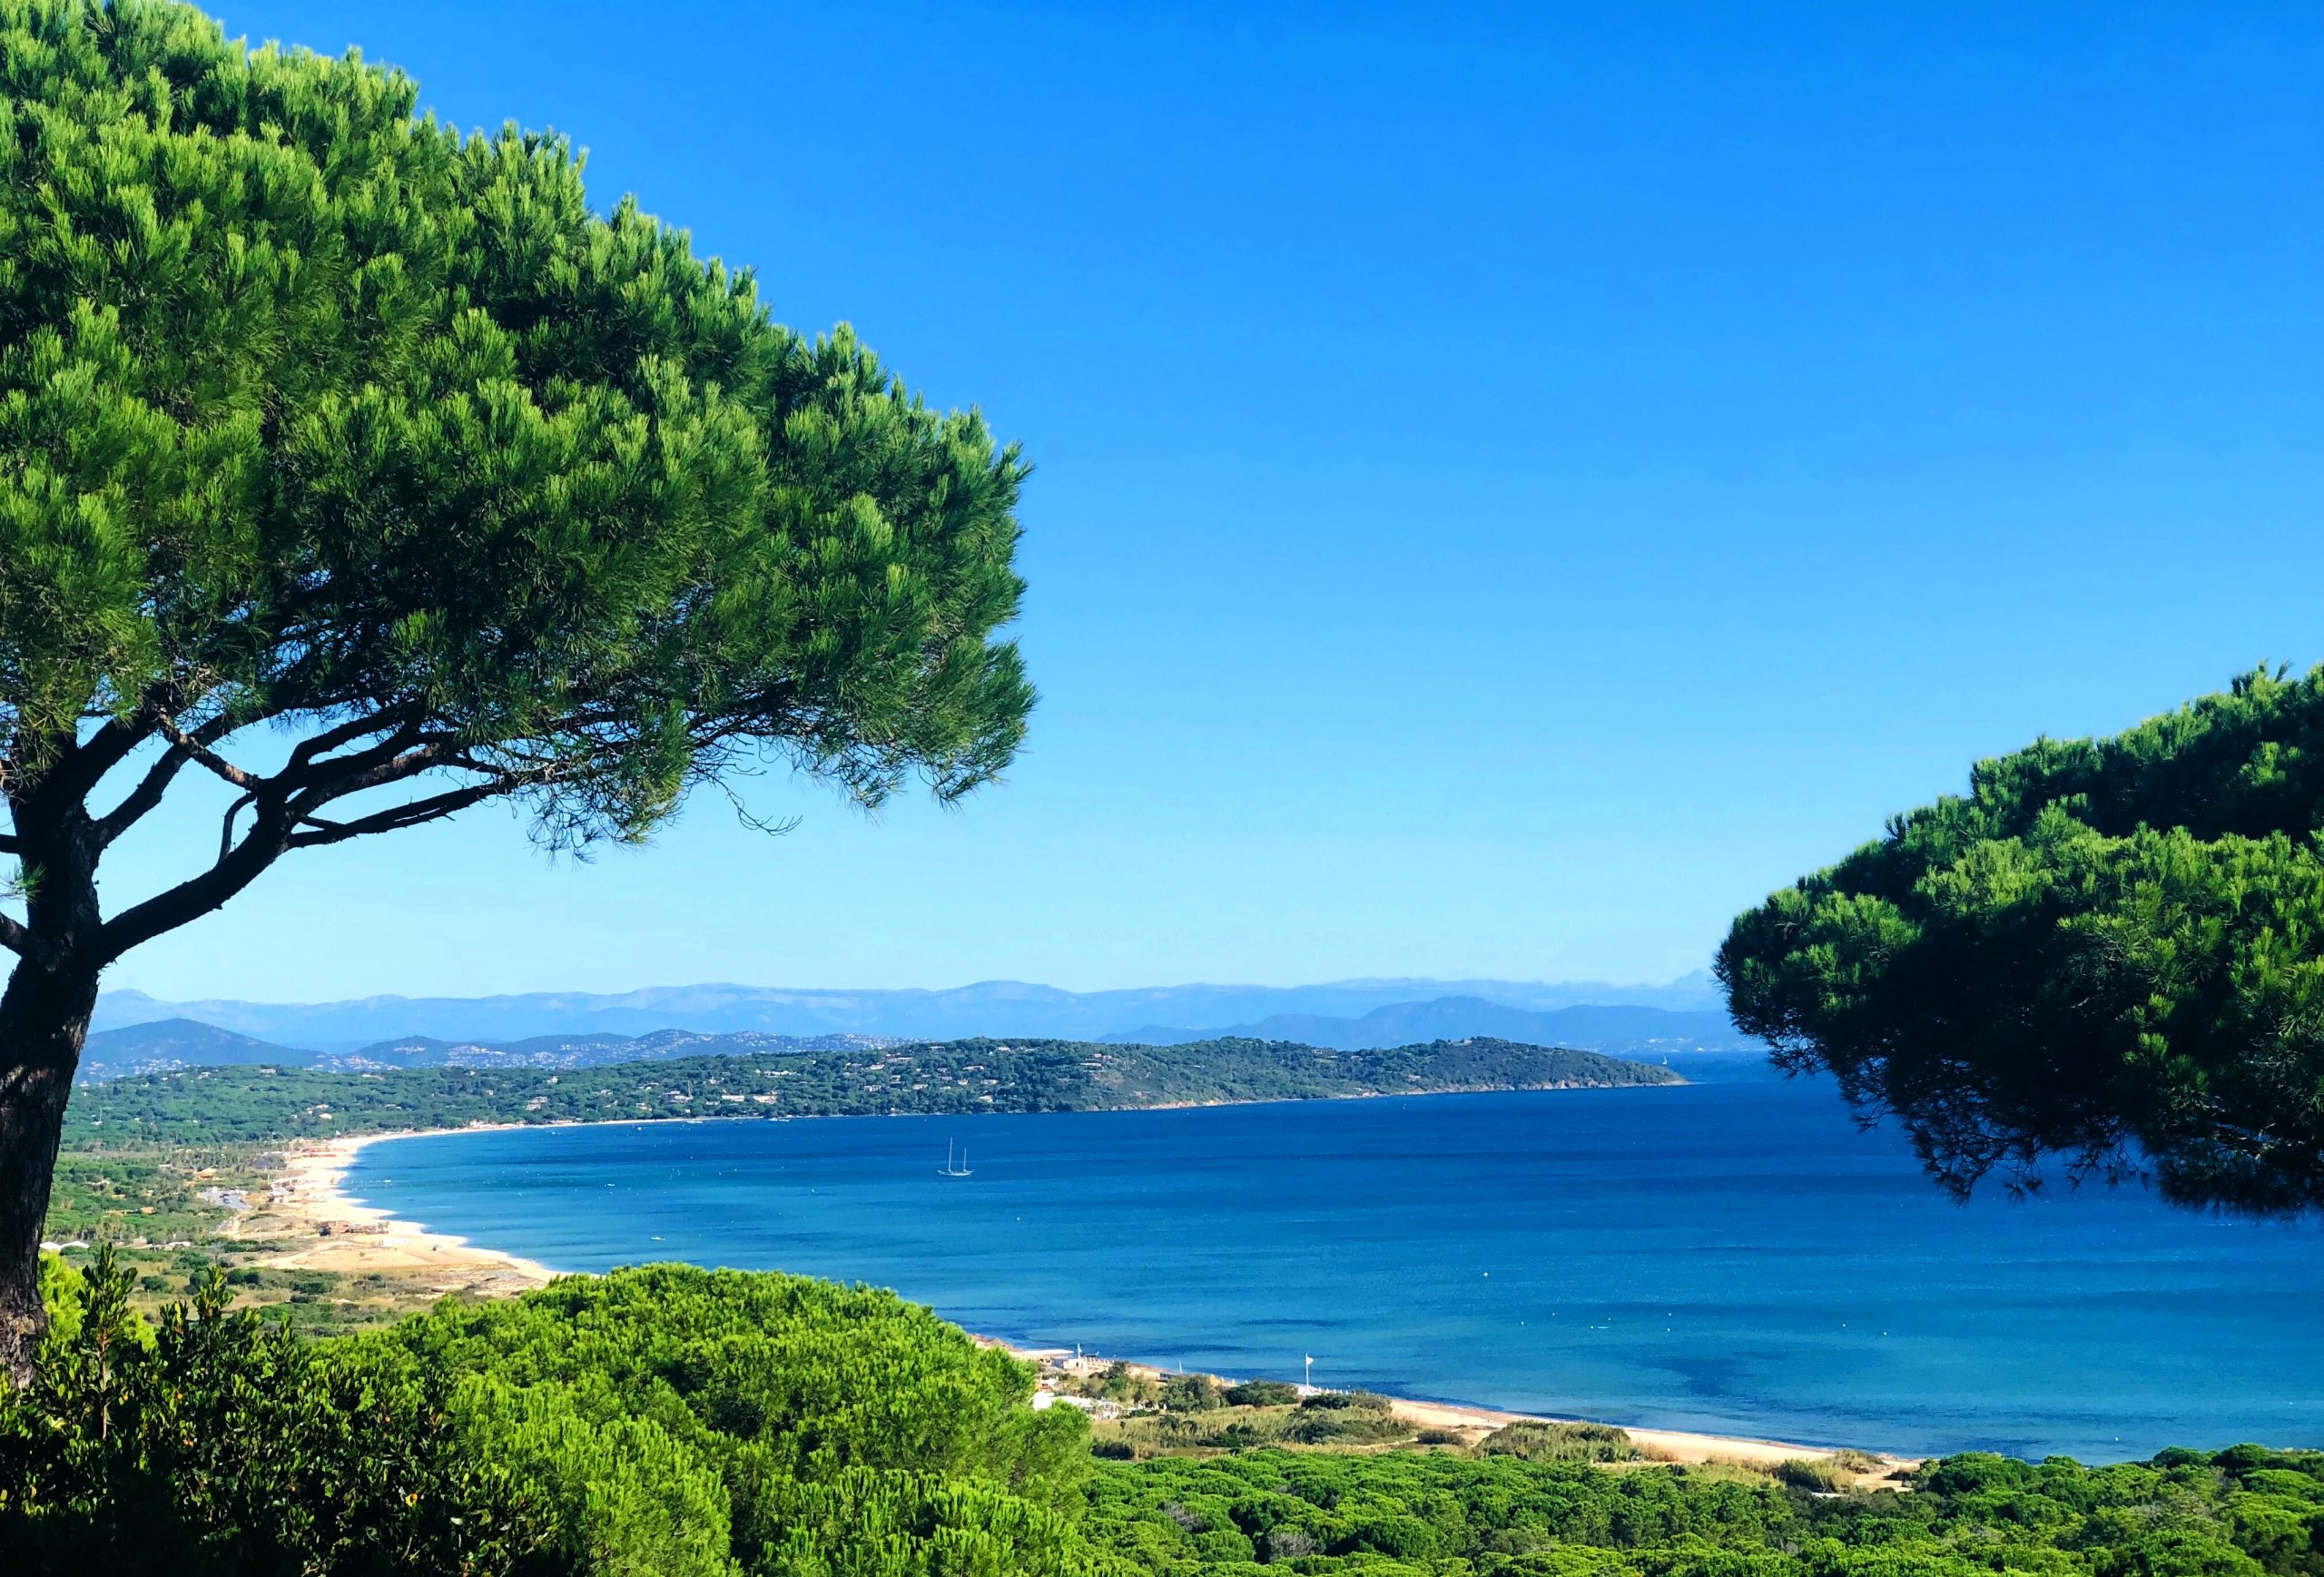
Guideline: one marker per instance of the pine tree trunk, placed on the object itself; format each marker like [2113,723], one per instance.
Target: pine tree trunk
[44,1019]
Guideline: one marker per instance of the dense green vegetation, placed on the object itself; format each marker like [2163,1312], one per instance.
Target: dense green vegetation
[219,1105]
[1560,1441]
[2240,1513]
[215,1444]
[668,1421]
[151,1193]
[1192,1413]
[2110,950]
[699,1424]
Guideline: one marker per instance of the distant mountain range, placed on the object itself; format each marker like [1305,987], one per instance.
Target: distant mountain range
[1620,1029]
[186,1041]
[178,1043]
[989,1008]
[171,1043]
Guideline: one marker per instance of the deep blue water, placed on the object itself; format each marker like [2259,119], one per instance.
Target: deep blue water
[1732,1256]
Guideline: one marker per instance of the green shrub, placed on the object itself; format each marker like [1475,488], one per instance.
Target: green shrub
[1533,1440]
[1818,1473]
[772,1385]
[1262,1394]
[63,1294]
[658,1421]
[1342,1427]
[1191,1393]
[218,1444]
[620,1493]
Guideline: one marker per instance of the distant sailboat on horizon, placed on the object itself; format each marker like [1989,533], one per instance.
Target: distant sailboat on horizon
[951,1168]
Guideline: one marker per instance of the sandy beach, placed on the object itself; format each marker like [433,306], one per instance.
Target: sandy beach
[326,1230]
[1473,1423]
[1662,1444]
[330,1231]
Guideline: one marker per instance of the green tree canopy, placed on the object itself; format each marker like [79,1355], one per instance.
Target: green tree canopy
[322,421]
[2110,951]
[670,1421]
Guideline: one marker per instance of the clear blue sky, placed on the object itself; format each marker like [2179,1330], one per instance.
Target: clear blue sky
[1511,490]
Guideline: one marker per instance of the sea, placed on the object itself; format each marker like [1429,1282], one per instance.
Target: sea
[1733,1255]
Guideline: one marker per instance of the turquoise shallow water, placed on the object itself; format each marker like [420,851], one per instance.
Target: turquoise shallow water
[1732,1256]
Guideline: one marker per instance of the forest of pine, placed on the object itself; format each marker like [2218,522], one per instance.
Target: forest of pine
[218,1105]
[717,1424]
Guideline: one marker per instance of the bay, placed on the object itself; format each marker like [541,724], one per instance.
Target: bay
[1734,1256]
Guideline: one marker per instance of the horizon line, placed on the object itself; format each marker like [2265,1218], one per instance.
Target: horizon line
[925,990]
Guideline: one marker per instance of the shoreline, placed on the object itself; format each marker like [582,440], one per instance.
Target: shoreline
[1660,1446]
[356,1237]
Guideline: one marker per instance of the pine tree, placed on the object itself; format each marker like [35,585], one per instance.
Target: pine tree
[319,420]
[2108,955]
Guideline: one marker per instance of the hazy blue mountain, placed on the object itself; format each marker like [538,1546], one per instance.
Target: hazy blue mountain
[1638,1031]
[1594,1027]
[581,1051]
[988,1007]
[187,1044]
[178,1043]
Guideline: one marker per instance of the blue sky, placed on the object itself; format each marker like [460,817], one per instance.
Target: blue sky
[1511,488]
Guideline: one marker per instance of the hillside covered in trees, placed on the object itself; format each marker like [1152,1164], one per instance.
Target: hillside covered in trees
[224,1105]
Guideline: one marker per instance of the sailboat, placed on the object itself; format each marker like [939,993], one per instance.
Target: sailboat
[955,1168]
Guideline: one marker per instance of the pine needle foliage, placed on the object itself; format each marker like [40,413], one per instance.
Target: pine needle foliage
[319,413]
[220,1444]
[2109,952]
[666,1420]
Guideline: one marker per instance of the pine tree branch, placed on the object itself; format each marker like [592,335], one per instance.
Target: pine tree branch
[84,765]
[142,799]
[185,746]
[16,939]
[196,750]
[388,762]
[226,824]
[347,732]
[282,812]
[397,817]
[235,869]
[194,746]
